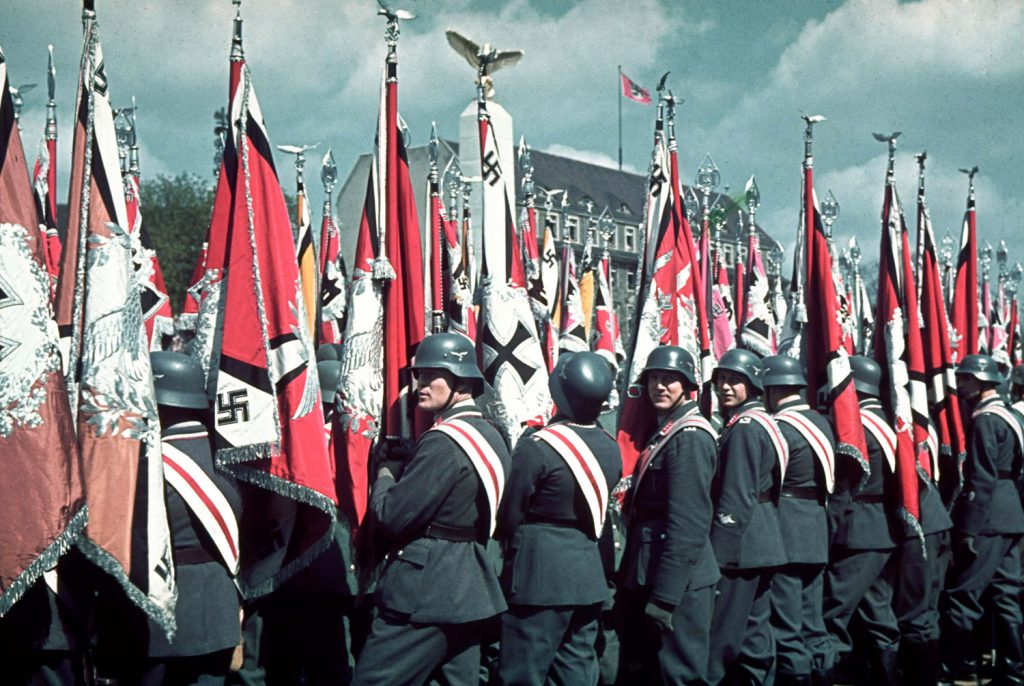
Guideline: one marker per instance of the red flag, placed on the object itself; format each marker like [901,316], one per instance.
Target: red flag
[268,422]
[829,379]
[105,348]
[459,305]
[723,321]
[999,337]
[333,279]
[938,360]
[897,321]
[669,309]
[739,292]
[607,342]
[44,176]
[965,334]
[306,257]
[572,334]
[360,393]
[42,500]
[985,317]
[633,91]
[156,304]
[757,325]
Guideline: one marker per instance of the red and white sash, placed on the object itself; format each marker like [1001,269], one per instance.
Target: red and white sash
[690,421]
[778,441]
[1004,413]
[820,445]
[583,465]
[203,497]
[883,433]
[485,460]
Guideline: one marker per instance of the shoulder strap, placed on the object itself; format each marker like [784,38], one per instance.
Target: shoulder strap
[584,466]
[205,500]
[774,434]
[483,457]
[690,421]
[883,433]
[820,445]
[1002,412]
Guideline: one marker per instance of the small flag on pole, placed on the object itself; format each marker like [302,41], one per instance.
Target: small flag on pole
[633,91]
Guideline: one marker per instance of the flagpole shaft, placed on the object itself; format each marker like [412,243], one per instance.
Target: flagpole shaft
[619,98]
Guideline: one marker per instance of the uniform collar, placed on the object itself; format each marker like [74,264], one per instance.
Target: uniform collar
[991,400]
[871,404]
[458,408]
[681,410]
[797,403]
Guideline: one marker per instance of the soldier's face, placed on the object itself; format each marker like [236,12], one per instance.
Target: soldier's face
[731,388]
[433,389]
[968,388]
[665,389]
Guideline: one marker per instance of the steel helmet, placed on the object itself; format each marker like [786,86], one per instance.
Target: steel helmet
[742,362]
[867,375]
[671,358]
[580,384]
[782,370]
[450,352]
[981,367]
[329,372]
[178,381]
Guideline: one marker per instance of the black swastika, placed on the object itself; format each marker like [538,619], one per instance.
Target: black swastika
[229,404]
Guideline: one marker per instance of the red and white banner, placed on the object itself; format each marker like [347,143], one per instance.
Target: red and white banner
[966,332]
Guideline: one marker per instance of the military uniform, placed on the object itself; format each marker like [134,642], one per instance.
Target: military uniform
[668,558]
[747,542]
[206,615]
[437,587]
[798,587]
[863,541]
[554,578]
[988,509]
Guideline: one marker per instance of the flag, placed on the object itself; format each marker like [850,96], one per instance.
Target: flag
[537,273]
[401,256]
[757,324]
[106,358]
[360,389]
[633,91]
[305,252]
[462,313]
[739,292]
[606,341]
[268,423]
[985,320]
[42,494]
[829,379]
[586,279]
[938,360]
[156,304]
[333,279]
[1014,334]
[668,306]
[508,346]
[902,362]
[999,338]
[572,333]
[723,321]
[44,181]
[965,332]
[440,267]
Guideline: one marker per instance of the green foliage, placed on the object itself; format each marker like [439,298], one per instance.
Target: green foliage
[176,213]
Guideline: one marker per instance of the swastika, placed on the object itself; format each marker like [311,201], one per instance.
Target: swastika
[491,168]
[229,404]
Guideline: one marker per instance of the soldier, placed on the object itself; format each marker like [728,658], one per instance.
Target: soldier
[669,570]
[551,517]
[798,586]
[311,624]
[862,514]
[202,507]
[745,533]
[988,522]
[437,588]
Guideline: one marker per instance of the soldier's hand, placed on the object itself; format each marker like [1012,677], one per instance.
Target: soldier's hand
[659,616]
[393,452]
[967,548]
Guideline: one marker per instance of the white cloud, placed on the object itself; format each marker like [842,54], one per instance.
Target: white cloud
[590,156]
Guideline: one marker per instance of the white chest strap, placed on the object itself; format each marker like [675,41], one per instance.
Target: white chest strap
[883,433]
[820,445]
[483,457]
[774,434]
[583,465]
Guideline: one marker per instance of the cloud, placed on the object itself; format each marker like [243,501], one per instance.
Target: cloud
[599,158]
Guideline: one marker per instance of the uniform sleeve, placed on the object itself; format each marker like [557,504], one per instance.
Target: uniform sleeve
[739,491]
[980,476]
[690,466]
[519,488]
[406,506]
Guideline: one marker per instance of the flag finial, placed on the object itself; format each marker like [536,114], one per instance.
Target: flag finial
[391,32]
[485,59]
[970,181]
[920,157]
[300,157]
[890,140]
[237,53]
[328,176]
[810,120]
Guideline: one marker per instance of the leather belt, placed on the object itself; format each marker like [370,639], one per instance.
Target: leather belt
[192,556]
[552,521]
[459,534]
[870,498]
[800,492]
[766,497]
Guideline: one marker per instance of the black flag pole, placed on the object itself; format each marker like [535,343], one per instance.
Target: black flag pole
[619,98]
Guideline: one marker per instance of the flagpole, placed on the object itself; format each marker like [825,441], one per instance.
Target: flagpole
[619,98]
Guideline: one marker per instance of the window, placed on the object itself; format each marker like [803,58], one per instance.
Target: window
[630,238]
[624,209]
[631,280]
[572,225]
[552,219]
[613,239]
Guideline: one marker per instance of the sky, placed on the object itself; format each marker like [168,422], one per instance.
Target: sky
[949,74]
